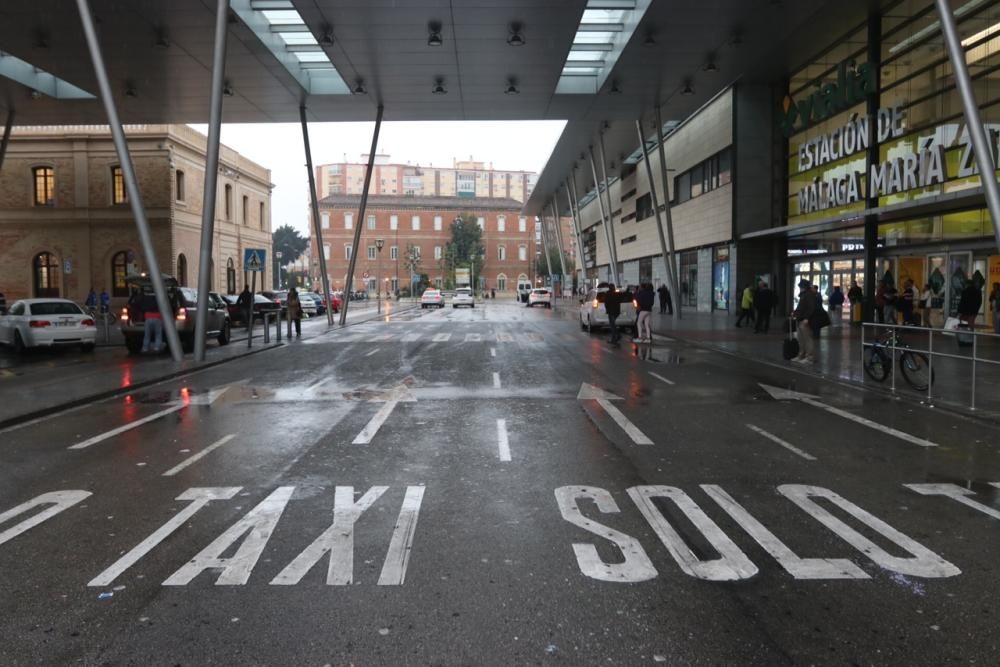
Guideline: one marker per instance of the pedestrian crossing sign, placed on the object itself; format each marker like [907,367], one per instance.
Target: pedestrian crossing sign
[254,259]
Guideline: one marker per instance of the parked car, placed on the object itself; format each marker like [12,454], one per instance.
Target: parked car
[523,290]
[47,323]
[309,308]
[594,315]
[540,296]
[316,299]
[261,305]
[277,296]
[463,297]
[431,298]
[184,302]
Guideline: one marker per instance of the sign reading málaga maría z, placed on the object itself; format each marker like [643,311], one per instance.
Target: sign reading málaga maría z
[854,84]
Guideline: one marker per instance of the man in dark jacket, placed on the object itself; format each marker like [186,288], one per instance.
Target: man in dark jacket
[803,314]
[969,304]
[763,301]
[245,304]
[665,302]
[645,298]
[613,307]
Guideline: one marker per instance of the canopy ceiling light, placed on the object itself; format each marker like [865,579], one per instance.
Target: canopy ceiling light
[227,89]
[512,88]
[359,88]
[604,30]
[327,38]
[439,88]
[615,88]
[710,66]
[434,39]
[687,89]
[162,39]
[515,38]
[130,90]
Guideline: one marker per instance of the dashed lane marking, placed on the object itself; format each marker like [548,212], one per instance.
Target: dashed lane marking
[661,378]
[200,455]
[493,352]
[372,352]
[787,445]
[503,442]
[496,381]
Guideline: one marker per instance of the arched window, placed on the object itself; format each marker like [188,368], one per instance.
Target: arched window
[46,275]
[119,269]
[502,282]
[182,270]
[501,252]
[230,277]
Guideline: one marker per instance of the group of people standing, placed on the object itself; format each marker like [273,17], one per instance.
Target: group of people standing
[756,306]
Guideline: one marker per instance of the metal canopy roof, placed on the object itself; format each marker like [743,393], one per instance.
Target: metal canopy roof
[160,53]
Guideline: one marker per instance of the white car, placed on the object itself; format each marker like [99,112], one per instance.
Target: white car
[540,296]
[594,315]
[47,323]
[308,306]
[432,298]
[463,297]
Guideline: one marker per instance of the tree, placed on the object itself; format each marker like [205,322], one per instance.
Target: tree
[289,242]
[542,268]
[466,240]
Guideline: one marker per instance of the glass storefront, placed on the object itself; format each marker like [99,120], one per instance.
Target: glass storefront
[720,279]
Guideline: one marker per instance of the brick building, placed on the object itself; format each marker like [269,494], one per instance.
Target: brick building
[66,225]
[425,224]
[465,178]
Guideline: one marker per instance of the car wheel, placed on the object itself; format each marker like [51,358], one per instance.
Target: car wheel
[133,344]
[224,334]
[87,347]
[19,345]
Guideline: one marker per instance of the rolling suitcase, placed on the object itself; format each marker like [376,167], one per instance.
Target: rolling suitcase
[790,346]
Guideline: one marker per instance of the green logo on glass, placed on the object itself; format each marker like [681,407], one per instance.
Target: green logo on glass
[853,85]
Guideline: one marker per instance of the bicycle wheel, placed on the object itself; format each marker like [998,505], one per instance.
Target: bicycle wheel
[916,370]
[877,364]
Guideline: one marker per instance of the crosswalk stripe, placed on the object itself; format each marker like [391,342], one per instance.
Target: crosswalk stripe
[441,338]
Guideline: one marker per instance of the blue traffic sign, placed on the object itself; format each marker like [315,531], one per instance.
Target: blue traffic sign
[254,259]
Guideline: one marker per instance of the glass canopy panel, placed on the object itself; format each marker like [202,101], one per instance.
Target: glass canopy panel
[281,16]
[298,38]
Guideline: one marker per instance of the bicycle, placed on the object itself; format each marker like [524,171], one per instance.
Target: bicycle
[914,365]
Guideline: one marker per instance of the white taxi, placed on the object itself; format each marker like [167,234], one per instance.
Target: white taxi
[47,323]
[432,298]
[463,297]
[540,296]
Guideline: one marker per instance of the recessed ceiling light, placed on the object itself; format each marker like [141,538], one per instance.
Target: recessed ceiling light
[687,89]
[615,89]
[710,66]
[434,39]
[162,39]
[359,88]
[227,89]
[512,88]
[515,38]
[327,38]
[439,88]
[650,39]
[130,90]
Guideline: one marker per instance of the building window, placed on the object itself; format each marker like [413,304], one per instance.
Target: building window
[324,219]
[348,221]
[230,277]
[246,210]
[347,251]
[179,185]
[415,223]
[371,252]
[229,202]
[45,186]
[437,252]
[522,253]
[262,225]
[393,222]
[704,177]
[644,206]
[182,270]
[118,186]
[438,223]
[501,223]
[119,269]
[501,283]
[394,252]
[46,275]
[501,252]
[522,224]
[482,223]
[371,222]
[326,251]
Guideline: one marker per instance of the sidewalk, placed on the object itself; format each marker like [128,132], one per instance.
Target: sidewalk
[839,353]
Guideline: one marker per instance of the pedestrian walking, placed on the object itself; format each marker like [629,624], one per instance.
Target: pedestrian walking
[926,295]
[613,307]
[907,302]
[91,301]
[665,301]
[837,303]
[994,306]
[746,307]
[294,313]
[891,298]
[880,302]
[152,327]
[244,304]
[493,293]
[105,300]
[645,297]
[802,315]
[763,302]
[969,304]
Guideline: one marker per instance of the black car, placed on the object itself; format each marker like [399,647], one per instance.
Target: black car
[261,305]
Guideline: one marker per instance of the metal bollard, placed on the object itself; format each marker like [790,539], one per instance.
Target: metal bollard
[107,331]
[277,321]
[975,339]
[267,328]
[250,330]
[930,367]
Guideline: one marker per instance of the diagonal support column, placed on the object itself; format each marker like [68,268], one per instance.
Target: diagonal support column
[6,136]
[559,245]
[545,246]
[668,216]
[605,222]
[980,142]
[607,195]
[361,215]
[317,227]
[131,184]
[581,265]
[656,207]
[211,177]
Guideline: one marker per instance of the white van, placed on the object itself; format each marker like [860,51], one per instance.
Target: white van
[523,290]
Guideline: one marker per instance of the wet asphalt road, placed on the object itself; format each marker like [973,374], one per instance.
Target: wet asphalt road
[348,500]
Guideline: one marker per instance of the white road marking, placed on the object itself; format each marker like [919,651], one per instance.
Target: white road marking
[787,445]
[924,563]
[338,540]
[411,338]
[493,352]
[349,338]
[397,558]
[374,424]
[257,527]
[496,381]
[440,338]
[200,455]
[787,394]
[473,338]
[732,564]
[956,493]
[127,427]
[60,501]
[372,352]
[199,497]
[661,378]
[505,338]
[634,567]
[503,440]
[604,398]
[800,568]
[381,338]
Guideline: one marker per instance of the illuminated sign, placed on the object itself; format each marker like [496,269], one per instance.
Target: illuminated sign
[853,85]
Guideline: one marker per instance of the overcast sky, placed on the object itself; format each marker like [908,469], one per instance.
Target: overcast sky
[521,145]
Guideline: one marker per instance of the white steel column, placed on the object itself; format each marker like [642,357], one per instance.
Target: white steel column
[674,271]
[559,245]
[656,208]
[980,142]
[131,185]
[211,177]
[581,265]
[606,223]
[545,247]
[607,194]
[317,227]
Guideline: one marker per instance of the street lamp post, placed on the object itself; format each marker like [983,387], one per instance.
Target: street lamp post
[379,243]
[277,269]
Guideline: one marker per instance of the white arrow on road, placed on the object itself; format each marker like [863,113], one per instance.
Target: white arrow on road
[399,394]
[781,394]
[604,398]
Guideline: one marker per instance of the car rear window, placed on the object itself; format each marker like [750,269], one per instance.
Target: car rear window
[55,308]
[190,296]
[431,292]
[540,291]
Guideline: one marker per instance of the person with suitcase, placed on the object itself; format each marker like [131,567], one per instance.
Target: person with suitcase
[968,309]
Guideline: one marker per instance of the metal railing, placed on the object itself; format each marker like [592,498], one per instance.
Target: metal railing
[894,343]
